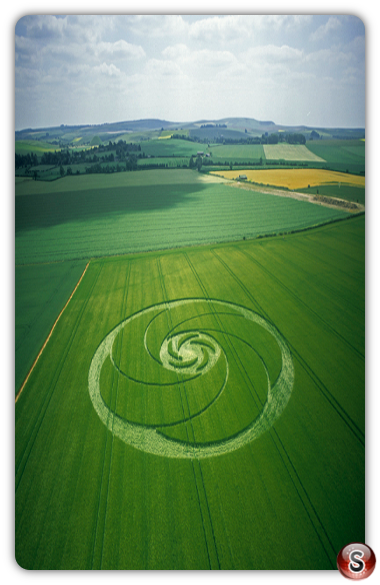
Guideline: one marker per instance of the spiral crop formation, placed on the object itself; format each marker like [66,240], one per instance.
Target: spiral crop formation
[186,353]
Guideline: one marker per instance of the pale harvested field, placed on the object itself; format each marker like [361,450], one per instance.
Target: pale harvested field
[290,152]
[295,178]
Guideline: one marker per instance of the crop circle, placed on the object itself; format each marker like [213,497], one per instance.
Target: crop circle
[195,353]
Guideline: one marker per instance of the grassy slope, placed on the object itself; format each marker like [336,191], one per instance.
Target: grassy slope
[34,146]
[82,217]
[341,155]
[236,152]
[170,147]
[86,500]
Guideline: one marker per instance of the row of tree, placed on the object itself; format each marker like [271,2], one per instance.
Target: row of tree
[294,138]
[214,126]
[26,160]
[104,153]
[53,159]
[274,138]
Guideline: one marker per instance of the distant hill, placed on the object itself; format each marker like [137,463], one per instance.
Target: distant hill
[96,129]
[152,126]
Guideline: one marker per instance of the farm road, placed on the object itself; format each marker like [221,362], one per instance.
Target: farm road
[332,202]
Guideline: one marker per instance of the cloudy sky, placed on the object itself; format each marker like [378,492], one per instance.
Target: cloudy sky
[93,69]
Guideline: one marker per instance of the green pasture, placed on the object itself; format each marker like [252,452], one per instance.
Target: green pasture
[87,499]
[86,216]
[101,182]
[34,146]
[340,155]
[170,147]
[136,136]
[237,152]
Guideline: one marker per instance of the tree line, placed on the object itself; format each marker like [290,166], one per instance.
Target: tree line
[125,152]
[273,138]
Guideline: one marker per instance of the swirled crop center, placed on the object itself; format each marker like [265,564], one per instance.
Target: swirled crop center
[195,353]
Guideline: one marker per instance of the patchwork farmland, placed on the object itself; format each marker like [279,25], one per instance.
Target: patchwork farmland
[201,396]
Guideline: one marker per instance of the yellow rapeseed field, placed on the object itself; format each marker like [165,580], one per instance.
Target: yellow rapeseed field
[294,178]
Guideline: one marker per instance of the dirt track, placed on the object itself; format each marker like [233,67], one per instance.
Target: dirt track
[332,202]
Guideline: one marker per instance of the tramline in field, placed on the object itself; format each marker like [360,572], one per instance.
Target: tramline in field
[273,345]
[185,394]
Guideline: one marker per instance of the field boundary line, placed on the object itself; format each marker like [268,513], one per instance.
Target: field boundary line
[50,334]
[46,401]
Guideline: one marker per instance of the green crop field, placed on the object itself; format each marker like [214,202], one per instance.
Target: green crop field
[80,217]
[199,408]
[86,216]
[34,146]
[40,293]
[236,152]
[169,147]
[341,155]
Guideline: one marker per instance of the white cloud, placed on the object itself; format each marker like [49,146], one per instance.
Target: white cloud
[199,61]
[357,48]
[234,27]
[44,27]
[119,50]
[166,25]
[222,27]
[159,67]
[108,70]
[183,66]
[185,55]
[279,21]
[179,51]
[272,54]
[324,30]
[25,52]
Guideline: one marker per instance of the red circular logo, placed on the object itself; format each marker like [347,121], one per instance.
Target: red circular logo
[356,561]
